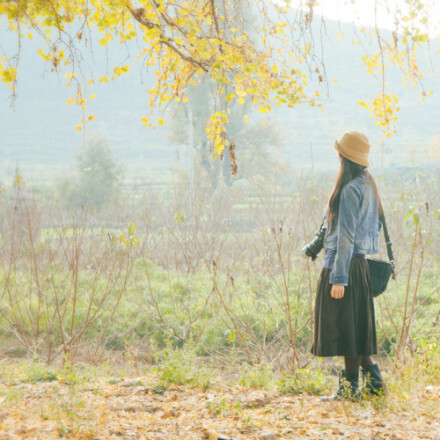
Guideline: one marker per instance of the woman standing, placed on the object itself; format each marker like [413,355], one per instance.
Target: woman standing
[344,309]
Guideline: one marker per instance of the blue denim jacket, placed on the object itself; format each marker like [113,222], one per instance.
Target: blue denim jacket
[358,227]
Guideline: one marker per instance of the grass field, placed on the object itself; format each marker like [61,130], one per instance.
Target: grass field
[147,282]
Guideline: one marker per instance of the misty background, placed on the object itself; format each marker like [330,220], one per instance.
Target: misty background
[38,130]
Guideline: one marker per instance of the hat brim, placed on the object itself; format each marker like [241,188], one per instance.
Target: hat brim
[361,159]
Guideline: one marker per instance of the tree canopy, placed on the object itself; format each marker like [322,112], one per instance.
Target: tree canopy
[99,175]
[254,50]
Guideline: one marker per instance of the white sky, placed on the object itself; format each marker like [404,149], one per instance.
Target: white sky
[362,12]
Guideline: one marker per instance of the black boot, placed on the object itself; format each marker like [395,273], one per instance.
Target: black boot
[348,387]
[374,384]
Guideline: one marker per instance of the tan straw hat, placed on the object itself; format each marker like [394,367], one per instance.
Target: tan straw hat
[354,146]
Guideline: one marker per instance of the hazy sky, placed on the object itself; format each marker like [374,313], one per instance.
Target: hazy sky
[363,12]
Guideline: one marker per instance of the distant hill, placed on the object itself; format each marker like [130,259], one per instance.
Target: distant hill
[39,131]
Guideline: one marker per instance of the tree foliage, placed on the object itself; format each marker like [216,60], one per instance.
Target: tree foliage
[98,180]
[255,138]
[253,49]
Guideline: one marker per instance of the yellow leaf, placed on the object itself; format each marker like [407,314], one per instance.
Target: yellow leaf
[118,71]
[42,54]
[307,48]
[78,127]
[161,121]
[8,75]
[230,97]
[91,117]
[264,109]
[92,96]
[208,20]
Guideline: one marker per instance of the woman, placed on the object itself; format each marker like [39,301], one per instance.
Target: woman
[344,310]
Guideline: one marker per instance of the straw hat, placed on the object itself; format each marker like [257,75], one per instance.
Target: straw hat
[354,146]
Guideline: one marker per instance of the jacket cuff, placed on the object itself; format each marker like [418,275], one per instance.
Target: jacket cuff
[339,279]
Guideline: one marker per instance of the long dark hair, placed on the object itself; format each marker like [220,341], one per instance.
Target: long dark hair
[348,171]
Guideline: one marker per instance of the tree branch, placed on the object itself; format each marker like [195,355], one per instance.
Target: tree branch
[169,21]
[183,56]
[214,15]
[139,15]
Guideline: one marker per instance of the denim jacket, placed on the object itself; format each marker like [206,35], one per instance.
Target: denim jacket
[358,227]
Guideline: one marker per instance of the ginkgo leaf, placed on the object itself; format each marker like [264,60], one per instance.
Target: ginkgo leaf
[118,71]
[42,54]
[264,109]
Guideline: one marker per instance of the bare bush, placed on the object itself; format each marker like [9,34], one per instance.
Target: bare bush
[61,284]
[227,277]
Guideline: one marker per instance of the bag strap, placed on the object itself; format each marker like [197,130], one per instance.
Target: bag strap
[386,234]
[388,243]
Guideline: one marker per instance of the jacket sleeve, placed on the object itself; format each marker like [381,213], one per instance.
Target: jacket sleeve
[349,208]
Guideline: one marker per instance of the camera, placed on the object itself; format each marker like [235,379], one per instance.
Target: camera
[315,246]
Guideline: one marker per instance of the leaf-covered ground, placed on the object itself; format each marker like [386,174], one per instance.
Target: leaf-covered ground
[141,408]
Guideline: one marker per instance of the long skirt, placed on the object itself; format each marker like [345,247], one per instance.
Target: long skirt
[346,326]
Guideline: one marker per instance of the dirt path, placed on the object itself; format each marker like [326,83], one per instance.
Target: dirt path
[131,410]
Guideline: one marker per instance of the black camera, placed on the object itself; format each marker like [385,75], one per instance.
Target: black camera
[315,246]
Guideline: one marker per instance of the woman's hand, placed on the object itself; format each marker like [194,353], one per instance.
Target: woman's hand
[337,291]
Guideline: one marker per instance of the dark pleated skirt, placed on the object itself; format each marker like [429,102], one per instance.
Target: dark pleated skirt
[346,326]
